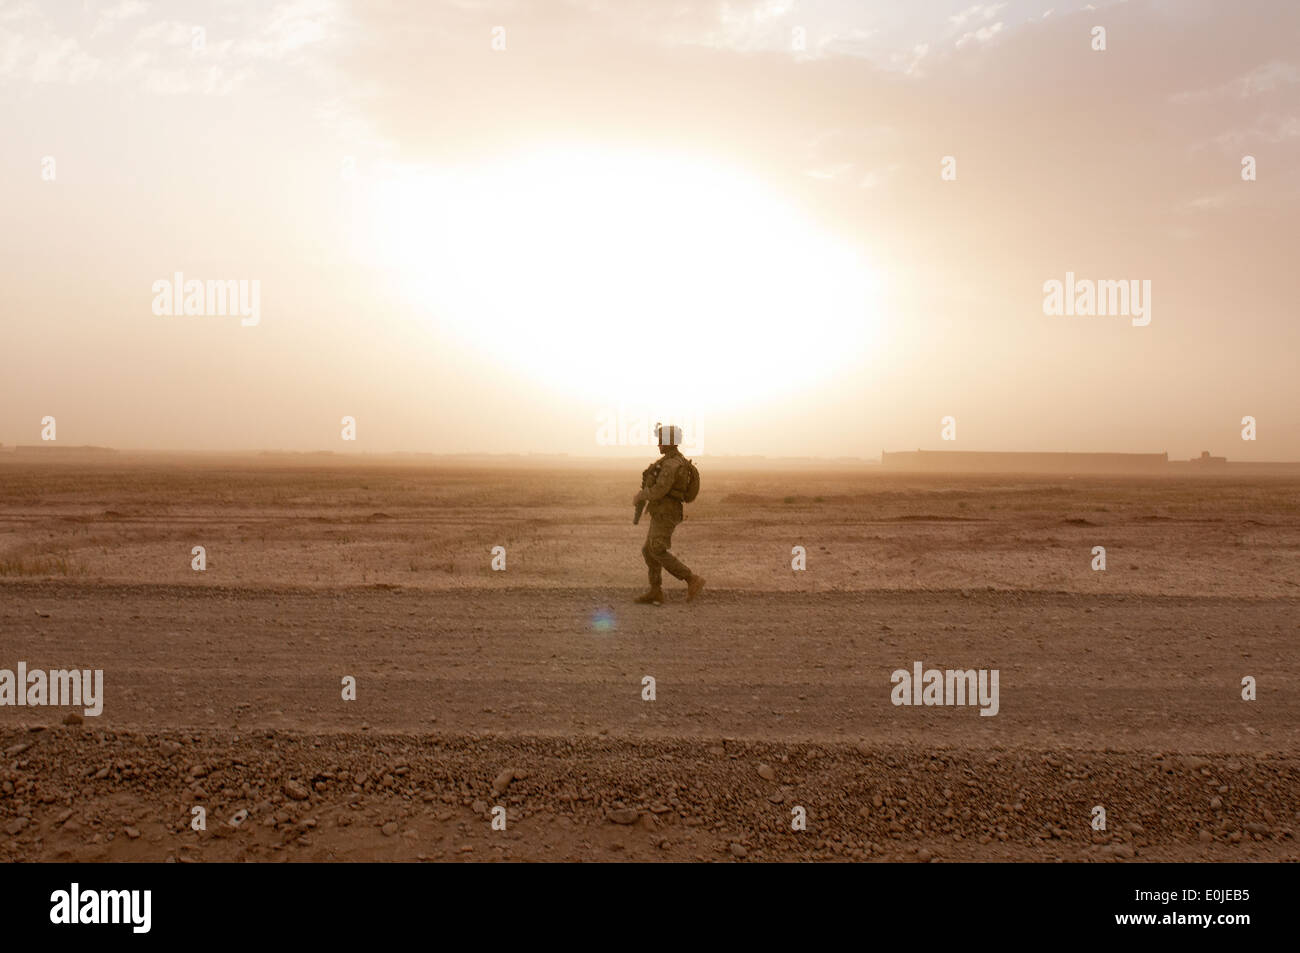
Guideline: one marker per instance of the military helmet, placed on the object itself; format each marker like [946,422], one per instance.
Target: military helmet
[670,435]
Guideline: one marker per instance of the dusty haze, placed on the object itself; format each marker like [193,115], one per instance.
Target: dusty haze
[719,224]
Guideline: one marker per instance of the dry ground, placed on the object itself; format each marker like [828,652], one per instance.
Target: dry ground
[1119,688]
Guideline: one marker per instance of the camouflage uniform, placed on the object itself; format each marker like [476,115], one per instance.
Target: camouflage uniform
[665,506]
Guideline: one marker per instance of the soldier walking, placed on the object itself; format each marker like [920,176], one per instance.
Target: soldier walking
[665,485]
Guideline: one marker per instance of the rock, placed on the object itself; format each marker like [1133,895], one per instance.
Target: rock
[1216,803]
[15,827]
[1124,851]
[295,791]
[624,815]
[1257,828]
[766,773]
[132,833]
[924,856]
[738,850]
[479,807]
[1205,836]
[73,718]
[863,748]
[648,822]
[503,781]
[389,829]
[239,818]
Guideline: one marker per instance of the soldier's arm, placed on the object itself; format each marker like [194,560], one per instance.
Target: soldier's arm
[667,473]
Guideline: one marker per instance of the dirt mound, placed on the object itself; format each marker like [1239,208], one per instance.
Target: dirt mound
[82,794]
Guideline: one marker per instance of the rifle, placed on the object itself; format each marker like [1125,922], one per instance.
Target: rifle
[648,477]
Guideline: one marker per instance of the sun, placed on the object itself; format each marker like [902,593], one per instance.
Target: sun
[614,276]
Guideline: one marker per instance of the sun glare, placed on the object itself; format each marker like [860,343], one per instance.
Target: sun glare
[618,277]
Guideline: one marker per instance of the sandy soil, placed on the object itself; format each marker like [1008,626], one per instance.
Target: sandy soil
[523,688]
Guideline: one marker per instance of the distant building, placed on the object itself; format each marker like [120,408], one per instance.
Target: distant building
[53,449]
[1205,460]
[976,461]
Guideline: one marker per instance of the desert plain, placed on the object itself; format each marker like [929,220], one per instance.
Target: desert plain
[485,695]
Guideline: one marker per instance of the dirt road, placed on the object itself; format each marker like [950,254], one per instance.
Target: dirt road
[1075,671]
[1127,701]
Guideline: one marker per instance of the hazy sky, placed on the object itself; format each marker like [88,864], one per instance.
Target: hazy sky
[494,227]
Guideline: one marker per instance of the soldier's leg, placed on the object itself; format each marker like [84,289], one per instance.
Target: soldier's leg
[652,563]
[658,541]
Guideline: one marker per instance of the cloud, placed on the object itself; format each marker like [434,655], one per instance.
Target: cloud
[976,13]
[1269,128]
[982,35]
[124,10]
[221,49]
[1265,78]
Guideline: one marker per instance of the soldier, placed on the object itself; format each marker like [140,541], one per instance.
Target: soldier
[663,489]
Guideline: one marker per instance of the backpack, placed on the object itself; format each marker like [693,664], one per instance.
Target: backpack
[692,489]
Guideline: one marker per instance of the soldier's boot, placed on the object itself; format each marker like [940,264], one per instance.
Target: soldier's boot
[693,587]
[653,597]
